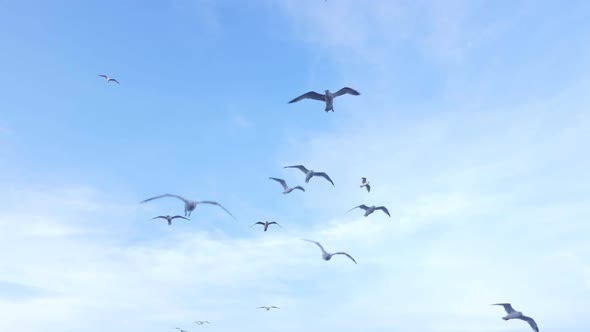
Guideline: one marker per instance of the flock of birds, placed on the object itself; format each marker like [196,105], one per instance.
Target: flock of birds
[328,99]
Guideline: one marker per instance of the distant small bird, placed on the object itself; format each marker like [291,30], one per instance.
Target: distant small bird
[366,184]
[310,173]
[169,218]
[286,188]
[109,79]
[326,255]
[513,314]
[371,209]
[189,205]
[268,308]
[181,330]
[328,97]
[201,322]
[266,224]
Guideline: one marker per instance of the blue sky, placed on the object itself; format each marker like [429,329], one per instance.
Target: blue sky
[472,126]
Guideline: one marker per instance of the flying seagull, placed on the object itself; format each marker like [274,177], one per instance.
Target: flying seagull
[326,255]
[266,224]
[181,330]
[268,308]
[200,322]
[371,209]
[513,314]
[189,205]
[286,188]
[328,97]
[169,218]
[309,173]
[366,184]
[109,79]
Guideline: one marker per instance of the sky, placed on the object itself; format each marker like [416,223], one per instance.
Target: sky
[472,126]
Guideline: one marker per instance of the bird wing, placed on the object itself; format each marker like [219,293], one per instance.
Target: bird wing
[299,167]
[319,245]
[362,206]
[114,80]
[345,254]
[368,188]
[325,176]
[275,223]
[221,206]
[346,90]
[105,76]
[507,307]
[181,217]
[165,195]
[364,180]
[309,95]
[257,223]
[281,181]
[162,217]
[275,307]
[299,187]
[531,322]
[263,307]
[384,209]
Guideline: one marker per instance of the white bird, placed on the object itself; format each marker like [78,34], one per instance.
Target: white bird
[513,314]
[266,224]
[366,184]
[326,255]
[189,205]
[371,209]
[309,173]
[328,97]
[268,308]
[286,188]
[109,79]
[200,322]
[169,218]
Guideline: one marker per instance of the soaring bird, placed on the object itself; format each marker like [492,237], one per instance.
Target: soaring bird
[181,330]
[169,218]
[201,322]
[268,308]
[328,97]
[109,79]
[366,184]
[326,255]
[266,224]
[371,209]
[189,205]
[309,173]
[286,188]
[513,314]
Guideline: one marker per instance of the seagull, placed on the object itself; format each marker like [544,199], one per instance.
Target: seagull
[366,184]
[268,308]
[328,97]
[326,255]
[200,322]
[371,209]
[109,79]
[169,218]
[266,224]
[285,186]
[310,173]
[513,314]
[189,206]
[181,330]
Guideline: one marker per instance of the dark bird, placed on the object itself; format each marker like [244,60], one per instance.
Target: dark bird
[326,255]
[266,224]
[181,330]
[327,97]
[201,322]
[268,308]
[371,209]
[309,173]
[189,205]
[366,184]
[169,218]
[109,79]
[286,188]
[513,314]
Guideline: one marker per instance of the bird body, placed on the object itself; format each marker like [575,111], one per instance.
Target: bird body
[327,97]
[268,308]
[169,218]
[326,255]
[309,173]
[371,209]
[109,79]
[266,224]
[286,188]
[189,205]
[513,314]
[366,184]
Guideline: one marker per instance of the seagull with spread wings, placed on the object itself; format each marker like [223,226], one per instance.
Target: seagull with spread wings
[109,79]
[326,255]
[309,173]
[169,218]
[201,322]
[366,184]
[189,205]
[286,188]
[513,314]
[266,224]
[268,308]
[181,330]
[371,209]
[327,97]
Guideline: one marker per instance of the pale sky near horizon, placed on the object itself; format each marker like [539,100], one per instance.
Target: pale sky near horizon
[472,125]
